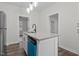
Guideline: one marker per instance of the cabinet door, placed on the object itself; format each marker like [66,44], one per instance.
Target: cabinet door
[48,47]
[25,43]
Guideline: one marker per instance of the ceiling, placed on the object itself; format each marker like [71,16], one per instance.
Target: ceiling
[41,5]
[44,5]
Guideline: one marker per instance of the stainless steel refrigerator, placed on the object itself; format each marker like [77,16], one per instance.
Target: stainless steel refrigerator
[2,33]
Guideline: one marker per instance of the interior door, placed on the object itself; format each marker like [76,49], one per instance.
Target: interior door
[54,23]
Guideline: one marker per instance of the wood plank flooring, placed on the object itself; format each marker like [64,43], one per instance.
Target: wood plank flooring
[64,52]
[15,50]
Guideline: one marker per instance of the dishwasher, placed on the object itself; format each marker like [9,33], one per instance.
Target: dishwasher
[32,46]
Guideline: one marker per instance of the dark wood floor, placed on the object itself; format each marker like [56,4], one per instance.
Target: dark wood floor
[64,52]
[15,50]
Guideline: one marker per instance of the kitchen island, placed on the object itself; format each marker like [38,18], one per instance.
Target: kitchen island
[41,44]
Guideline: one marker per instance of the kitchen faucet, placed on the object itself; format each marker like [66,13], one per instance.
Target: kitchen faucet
[34,26]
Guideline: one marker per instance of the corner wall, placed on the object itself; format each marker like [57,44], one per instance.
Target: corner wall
[12,21]
[68,18]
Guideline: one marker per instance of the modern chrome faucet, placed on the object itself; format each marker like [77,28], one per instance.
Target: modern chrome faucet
[34,26]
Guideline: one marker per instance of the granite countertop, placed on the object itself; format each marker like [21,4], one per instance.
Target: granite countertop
[41,35]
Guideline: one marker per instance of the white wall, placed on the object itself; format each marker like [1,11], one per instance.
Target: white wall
[34,16]
[12,19]
[68,17]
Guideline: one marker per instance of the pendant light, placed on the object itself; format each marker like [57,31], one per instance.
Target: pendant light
[35,4]
[28,10]
[32,5]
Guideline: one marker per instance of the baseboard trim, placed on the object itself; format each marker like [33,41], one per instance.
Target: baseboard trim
[71,50]
[12,43]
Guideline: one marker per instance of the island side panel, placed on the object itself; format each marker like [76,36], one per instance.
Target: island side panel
[25,39]
[48,47]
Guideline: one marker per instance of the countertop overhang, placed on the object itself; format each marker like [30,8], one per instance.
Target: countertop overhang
[41,35]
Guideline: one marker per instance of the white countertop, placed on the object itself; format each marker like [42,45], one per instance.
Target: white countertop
[41,35]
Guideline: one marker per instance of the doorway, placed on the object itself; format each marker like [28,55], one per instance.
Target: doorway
[23,25]
[54,23]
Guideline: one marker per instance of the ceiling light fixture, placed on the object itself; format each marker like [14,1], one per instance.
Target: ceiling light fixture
[35,4]
[28,10]
[32,5]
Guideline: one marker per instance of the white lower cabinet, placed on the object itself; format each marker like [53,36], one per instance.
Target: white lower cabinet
[48,47]
[25,43]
